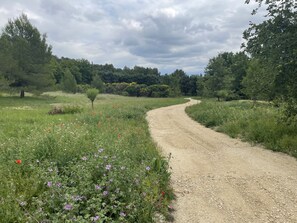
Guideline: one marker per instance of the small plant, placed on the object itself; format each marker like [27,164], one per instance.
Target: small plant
[92,94]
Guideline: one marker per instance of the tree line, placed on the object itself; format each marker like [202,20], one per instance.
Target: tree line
[27,64]
[265,69]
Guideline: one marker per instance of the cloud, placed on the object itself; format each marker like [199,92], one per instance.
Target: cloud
[167,34]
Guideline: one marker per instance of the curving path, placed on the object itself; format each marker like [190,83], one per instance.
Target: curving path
[220,179]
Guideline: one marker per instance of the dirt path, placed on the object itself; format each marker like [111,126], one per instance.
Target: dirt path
[220,179]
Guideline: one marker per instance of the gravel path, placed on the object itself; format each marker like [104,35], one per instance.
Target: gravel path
[220,179]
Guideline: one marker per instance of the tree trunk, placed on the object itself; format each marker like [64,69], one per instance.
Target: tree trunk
[22,94]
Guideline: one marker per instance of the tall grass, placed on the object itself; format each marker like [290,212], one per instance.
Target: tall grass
[95,166]
[260,123]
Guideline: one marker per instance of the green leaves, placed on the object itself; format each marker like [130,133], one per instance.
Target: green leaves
[92,94]
[274,42]
[25,55]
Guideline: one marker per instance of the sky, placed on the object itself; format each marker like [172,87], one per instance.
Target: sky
[164,34]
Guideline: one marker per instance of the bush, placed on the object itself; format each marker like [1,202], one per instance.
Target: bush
[82,88]
[159,91]
[92,94]
[66,109]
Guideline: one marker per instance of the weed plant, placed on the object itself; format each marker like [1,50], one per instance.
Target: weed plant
[95,166]
[261,123]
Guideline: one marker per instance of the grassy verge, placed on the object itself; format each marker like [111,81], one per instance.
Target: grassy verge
[94,166]
[257,124]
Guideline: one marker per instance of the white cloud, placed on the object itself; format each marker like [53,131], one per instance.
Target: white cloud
[167,34]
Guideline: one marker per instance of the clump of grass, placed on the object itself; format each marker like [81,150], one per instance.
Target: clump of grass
[95,166]
[65,109]
[261,123]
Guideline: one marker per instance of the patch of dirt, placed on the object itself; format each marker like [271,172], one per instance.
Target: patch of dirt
[220,179]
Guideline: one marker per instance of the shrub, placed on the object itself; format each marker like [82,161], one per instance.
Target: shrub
[92,94]
[66,109]
[82,88]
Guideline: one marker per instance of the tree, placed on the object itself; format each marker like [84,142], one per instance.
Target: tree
[259,81]
[68,82]
[274,42]
[92,94]
[218,75]
[28,56]
[97,83]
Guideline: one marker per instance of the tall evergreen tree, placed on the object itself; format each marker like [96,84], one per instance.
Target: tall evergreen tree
[28,56]
[68,82]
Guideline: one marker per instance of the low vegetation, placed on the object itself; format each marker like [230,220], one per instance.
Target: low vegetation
[94,166]
[261,123]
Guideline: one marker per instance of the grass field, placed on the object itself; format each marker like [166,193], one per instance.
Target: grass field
[91,166]
[257,124]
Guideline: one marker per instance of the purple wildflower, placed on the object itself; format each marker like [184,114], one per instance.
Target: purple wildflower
[68,207]
[97,187]
[108,167]
[49,184]
[58,184]
[105,193]
[78,198]
[96,218]
[148,168]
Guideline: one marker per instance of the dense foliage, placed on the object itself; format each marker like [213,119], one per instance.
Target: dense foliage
[25,56]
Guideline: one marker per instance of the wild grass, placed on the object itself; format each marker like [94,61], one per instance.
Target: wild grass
[95,166]
[260,124]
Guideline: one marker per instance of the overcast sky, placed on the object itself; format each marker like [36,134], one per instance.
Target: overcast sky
[166,34]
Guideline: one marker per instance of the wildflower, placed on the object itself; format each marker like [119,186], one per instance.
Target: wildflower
[68,207]
[96,218]
[49,184]
[148,168]
[105,193]
[108,167]
[58,184]
[97,187]
[84,158]
[18,161]
[163,193]
[123,168]
[23,203]
[50,170]
[100,150]
[78,198]
[122,214]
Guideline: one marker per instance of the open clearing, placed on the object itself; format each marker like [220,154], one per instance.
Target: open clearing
[220,179]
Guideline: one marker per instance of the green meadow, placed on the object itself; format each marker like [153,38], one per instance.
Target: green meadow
[81,166]
[260,123]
